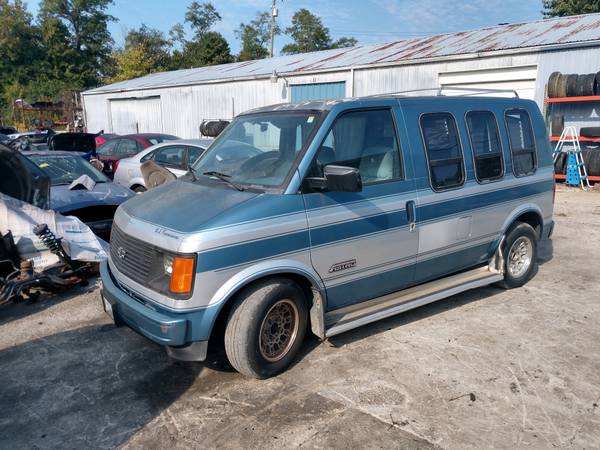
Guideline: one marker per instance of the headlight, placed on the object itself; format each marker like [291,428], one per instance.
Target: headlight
[172,275]
[168,264]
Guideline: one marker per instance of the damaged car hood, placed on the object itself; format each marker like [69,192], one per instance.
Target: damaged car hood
[63,199]
[184,206]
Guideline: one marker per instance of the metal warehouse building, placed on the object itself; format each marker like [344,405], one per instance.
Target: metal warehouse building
[515,56]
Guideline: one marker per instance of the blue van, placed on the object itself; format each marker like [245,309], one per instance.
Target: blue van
[330,215]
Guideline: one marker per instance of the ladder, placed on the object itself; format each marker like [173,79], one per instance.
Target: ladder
[576,171]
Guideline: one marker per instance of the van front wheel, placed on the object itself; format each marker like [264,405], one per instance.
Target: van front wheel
[520,256]
[266,327]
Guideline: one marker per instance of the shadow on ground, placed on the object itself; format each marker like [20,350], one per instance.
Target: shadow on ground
[89,388]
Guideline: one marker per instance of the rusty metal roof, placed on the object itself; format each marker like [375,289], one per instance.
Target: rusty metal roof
[571,30]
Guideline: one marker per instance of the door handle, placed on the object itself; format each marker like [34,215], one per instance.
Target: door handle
[411,215]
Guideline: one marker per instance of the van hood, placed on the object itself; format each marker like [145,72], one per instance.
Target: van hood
[184,206]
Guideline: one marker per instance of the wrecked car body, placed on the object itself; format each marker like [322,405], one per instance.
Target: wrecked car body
[39,249]
[84,143]
[80,190]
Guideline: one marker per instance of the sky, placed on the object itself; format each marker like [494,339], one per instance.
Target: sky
[369,21]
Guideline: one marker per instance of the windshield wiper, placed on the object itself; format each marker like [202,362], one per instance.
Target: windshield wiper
[224,177]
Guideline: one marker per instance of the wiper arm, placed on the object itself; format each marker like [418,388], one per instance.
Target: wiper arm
[224,177]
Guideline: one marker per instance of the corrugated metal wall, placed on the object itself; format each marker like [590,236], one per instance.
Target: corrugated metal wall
[317,91]
[184,108]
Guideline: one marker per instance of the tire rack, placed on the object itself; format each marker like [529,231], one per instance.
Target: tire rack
[549,102]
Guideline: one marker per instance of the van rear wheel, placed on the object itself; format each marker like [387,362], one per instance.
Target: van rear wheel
[520,256]
[266,327]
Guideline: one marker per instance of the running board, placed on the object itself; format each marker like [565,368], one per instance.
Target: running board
[354,316]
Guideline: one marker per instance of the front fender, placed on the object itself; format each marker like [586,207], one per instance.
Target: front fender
[269,268]
[264,269]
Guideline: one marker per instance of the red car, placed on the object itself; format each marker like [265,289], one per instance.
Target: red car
[125,146]
[103,137]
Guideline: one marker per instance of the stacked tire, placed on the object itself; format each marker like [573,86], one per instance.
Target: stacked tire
[212,128]
[573,85]
[591,158]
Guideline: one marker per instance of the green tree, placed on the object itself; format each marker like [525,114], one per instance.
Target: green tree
[20,53]
[210,50]
[309,34]
[76,38]
[554,8]
[146,50]
[207,47]
[344,42]
[201,18]
[255,37]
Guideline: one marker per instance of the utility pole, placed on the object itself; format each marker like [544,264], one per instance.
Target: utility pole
[274,14]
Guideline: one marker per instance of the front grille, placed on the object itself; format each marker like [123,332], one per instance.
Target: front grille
[132,257]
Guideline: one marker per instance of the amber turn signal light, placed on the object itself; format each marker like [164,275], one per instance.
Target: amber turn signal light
[182,275]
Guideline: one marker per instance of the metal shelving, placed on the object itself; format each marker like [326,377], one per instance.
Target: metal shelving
[589,98]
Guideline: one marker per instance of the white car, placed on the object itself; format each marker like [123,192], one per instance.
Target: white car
[176,156]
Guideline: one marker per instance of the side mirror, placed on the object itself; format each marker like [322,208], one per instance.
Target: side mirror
[337,179]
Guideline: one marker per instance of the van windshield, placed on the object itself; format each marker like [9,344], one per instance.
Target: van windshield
[258,149]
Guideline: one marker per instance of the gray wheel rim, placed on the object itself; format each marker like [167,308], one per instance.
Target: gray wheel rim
[520,256]
[278,330]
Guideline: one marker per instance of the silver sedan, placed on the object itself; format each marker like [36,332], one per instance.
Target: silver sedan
[176,156]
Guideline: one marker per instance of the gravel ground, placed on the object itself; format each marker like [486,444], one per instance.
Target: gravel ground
[485,369]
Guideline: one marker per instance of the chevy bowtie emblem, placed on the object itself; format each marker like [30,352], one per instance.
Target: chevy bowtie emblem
[121,252]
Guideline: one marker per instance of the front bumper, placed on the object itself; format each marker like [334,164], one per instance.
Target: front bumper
[184,334]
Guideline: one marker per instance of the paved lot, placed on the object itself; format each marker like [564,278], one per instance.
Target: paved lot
[485,369]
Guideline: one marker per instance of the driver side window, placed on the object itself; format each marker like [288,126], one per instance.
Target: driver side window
[365,140]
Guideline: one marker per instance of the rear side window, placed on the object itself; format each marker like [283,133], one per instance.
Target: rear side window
[194,153]
[444,153]
[522,143]
[108,148]
[128,147]
[485,143]
[170,156]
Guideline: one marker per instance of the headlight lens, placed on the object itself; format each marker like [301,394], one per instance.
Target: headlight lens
[172,275]
[168,264]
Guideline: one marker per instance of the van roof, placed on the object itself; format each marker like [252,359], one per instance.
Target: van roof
[325,105]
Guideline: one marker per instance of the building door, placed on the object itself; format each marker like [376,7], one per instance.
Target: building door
[136,115]
[318,91]
[362,243]
[521,79]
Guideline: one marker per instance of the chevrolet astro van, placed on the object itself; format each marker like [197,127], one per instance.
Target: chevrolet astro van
[328,215]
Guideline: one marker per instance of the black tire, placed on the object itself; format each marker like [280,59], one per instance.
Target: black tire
[592,162]
[552,84]
[213,128]
[560,166]
[597,90]
[243,341]
[519,231]
[581,86]
[139,189]
[589,84]
[561,86]
[590,131]
[558,124]
[572,85]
